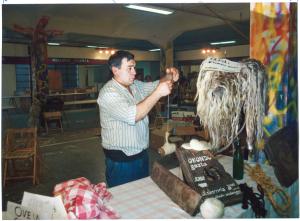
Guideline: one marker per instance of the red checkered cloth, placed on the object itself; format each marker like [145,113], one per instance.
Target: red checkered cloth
[84,200]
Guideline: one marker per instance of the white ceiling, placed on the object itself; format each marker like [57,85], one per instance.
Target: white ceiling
[89,21]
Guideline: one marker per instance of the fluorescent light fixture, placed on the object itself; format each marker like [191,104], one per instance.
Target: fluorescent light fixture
[93,46]
[51,43]
[151,9]
[156,49]
[222,42]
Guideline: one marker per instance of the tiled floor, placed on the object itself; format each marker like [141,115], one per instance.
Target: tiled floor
[69,155]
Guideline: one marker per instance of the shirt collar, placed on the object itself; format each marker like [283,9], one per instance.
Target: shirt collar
[121,86]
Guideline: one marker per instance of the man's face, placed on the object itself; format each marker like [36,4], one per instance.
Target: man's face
[125,75]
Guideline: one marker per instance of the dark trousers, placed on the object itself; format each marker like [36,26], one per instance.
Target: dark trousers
[118,173]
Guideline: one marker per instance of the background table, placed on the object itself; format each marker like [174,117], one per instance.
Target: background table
[91,101]
[143,199]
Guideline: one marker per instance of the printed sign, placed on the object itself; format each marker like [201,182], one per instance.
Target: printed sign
[45,206]
[208,177]
[16,211]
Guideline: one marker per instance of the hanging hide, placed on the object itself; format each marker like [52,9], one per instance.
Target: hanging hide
[225,90]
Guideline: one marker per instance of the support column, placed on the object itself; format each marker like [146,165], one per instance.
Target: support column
[167,57]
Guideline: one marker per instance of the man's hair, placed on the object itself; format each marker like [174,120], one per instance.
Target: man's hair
[115,60]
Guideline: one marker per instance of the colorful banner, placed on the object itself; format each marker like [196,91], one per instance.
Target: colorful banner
[273,41]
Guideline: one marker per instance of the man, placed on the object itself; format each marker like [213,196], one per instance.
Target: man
[124,104]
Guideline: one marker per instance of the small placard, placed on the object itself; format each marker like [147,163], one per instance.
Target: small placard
[17,211]
[188,116]
[45,206]
[208,177]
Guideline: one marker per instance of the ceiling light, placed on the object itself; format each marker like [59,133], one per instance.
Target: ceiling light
[93,46]
[51,43]
[208,51]
[151,9]
[155,49]
[222,42]
[106,51]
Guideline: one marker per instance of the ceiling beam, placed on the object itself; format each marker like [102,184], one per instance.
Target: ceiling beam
[216,16]
[227,22]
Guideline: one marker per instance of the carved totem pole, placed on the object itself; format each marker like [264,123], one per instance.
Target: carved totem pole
[39,66]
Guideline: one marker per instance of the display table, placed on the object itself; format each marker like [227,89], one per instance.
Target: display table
[20,102]
[143,199]
[75,100]
[91,101]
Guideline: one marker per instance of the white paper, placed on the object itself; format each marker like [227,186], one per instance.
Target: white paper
[60,211]
[46,207]
[17,211]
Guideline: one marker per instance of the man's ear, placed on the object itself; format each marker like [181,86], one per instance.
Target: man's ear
[114,70]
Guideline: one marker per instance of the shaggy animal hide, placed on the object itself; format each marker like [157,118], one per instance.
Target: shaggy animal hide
[225,91]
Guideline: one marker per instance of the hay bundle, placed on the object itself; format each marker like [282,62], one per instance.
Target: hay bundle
[225,90]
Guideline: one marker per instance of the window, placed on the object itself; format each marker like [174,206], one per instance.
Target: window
[22,78]
[69,73]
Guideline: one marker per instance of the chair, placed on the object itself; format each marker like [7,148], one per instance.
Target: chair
[53,112]
[53,116]
[20,149]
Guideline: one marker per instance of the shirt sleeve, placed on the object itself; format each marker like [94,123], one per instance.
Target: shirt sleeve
[117,107]
[147,87]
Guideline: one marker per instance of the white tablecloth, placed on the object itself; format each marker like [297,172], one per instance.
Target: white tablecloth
[143,199]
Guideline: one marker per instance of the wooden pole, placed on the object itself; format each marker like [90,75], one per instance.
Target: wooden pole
[180,193]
